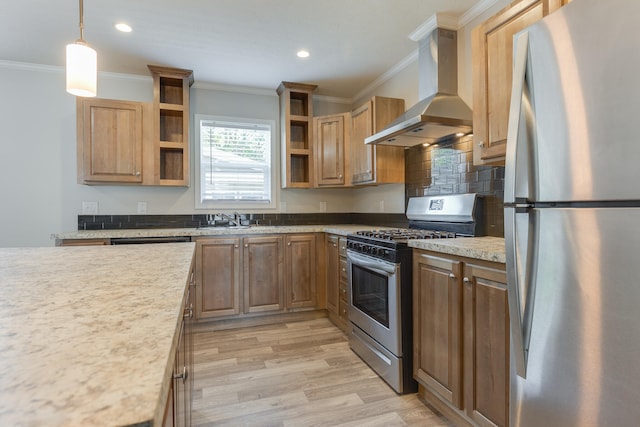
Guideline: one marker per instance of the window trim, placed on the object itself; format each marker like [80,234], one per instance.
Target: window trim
[234,204]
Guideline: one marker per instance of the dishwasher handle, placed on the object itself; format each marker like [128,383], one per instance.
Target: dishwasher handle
[145,240]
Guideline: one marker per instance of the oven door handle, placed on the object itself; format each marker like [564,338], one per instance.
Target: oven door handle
[378,266]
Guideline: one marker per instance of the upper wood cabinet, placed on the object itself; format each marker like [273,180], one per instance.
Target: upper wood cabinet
[492,51]
[375,164]
[296,124]
[331,141]
[171,125]
[110,140]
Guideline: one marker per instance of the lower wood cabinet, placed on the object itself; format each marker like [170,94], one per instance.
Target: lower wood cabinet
[337,300]
[301,268]
[263,277]
[178,407]
[218,277]
[251,275]
[461,337]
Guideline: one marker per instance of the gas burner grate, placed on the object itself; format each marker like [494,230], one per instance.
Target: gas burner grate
[402,234]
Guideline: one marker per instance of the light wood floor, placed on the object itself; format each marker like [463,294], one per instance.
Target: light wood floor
[295,374]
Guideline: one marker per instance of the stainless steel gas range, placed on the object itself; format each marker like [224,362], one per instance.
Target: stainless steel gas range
[379,266]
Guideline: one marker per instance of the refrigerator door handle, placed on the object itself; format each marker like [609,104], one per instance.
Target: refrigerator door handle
[517,209]
[520,131]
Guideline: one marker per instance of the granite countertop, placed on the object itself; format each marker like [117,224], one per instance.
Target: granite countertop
[341,229]
[88,334]
[484,248]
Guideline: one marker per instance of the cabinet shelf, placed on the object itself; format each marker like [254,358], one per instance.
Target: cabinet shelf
[171,107]
[171,90]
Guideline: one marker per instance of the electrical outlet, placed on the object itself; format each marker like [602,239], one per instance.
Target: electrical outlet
[142,207]
[323,206]
[89,208]
[381,206]
[283,206]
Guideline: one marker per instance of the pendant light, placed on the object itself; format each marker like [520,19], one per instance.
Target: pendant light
[82,69]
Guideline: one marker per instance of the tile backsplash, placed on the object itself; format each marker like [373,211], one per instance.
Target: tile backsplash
[447,168]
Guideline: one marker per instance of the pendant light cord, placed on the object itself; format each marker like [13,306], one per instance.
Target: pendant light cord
[81,21]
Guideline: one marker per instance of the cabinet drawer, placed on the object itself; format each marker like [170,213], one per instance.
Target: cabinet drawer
[342,245]
[343,310]
[343,270]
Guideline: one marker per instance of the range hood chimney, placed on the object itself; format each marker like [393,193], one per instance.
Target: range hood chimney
[440,112]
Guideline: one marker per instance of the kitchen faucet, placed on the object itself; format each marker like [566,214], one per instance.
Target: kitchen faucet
[234,220]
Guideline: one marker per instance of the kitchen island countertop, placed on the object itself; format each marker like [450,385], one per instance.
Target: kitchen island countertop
[484,248]
[88,334]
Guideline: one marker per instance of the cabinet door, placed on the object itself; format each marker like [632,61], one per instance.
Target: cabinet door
[375,164]
[218,274]
[331,138]
[300,262]
[333,273]
[486,343]
[437,326]
[263,276]
[362,155]
[492,51]
[109,141]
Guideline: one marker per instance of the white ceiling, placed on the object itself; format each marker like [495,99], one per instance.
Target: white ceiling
[250,43]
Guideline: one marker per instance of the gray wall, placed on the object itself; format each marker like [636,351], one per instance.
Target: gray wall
[39,192]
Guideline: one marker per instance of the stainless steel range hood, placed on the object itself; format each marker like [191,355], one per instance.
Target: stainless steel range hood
[440,112]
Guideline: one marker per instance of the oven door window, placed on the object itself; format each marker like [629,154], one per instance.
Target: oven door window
[370,294]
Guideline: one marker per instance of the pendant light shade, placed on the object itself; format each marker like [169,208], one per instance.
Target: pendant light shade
[82,68]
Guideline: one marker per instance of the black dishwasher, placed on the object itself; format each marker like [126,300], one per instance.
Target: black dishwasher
[145,240]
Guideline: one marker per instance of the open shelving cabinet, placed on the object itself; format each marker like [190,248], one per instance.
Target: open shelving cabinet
[296,123]
[171,124]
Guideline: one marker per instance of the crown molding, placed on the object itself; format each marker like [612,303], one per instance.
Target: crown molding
[438,20]
[475,11]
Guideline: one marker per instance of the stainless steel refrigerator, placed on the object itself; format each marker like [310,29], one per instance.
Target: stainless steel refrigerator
[572,218]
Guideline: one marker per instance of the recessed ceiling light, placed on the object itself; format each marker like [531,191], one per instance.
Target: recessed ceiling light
[121,26]
[302,54]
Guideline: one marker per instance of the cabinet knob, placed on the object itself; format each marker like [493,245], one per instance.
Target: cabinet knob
[138,173]
[235,246]
[183,376]
[452,276]
[481,144]
[342,248]
[467,282]
[344,269]
[246,245]
[368,170]
[340,176]
[288,243]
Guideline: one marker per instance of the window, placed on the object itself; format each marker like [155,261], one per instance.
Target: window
[234,167]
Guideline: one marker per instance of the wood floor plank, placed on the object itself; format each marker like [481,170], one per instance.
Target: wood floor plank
[295,374]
